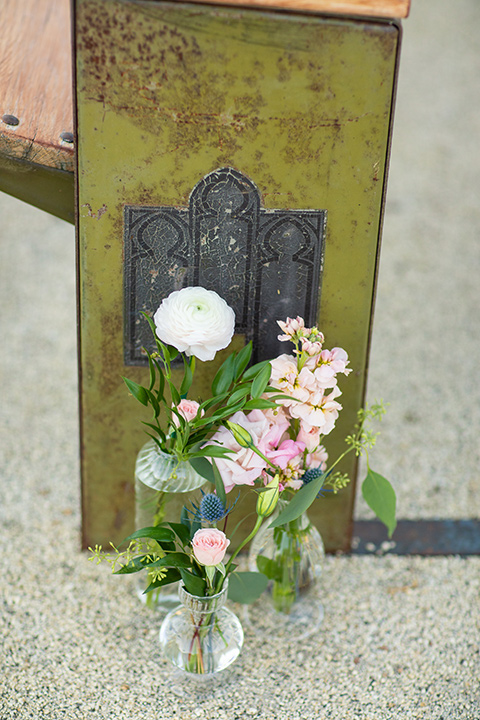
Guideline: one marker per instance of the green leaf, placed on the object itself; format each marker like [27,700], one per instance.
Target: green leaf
[238,394]
[174,559]
[193,584]
[203,468]
[271,569]
[156,429]
[185,520]
[182,532]
[224,377]
[174,393]
[135,565]
[187,379]
[138,391]
[259,404]
[172,352]
[242,359]
[300,502]
[380,497]
[159,533]
[161,383]
[261,381]
[154,403]
[152,370]
[171,575]
[219,484]
[213,401]
[245,587]
[254,370]
[212,451]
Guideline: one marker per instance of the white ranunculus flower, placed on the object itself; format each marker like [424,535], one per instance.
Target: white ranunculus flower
[196,321]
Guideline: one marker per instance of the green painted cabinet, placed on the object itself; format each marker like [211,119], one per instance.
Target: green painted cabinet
[168,93]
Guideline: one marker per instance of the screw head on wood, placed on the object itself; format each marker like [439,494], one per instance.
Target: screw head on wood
[10,120]
[66,137]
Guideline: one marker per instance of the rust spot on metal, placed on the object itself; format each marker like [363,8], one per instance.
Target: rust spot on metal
[97,215]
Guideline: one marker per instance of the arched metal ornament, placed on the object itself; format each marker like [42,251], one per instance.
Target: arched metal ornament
[266,264]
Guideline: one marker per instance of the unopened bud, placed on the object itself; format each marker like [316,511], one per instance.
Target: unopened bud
[268,498]
[242,436]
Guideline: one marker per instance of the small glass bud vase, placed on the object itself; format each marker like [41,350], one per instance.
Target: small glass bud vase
[161,482]
[291,556]
[201,636]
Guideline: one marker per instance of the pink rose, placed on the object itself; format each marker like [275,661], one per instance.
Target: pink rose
[209,546]
[243,466]
[188,409]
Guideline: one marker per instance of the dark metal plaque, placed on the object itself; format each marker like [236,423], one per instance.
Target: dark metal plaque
[267,264]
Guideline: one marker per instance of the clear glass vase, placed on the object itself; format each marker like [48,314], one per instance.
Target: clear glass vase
[161,485]
[201,636]
[292,557]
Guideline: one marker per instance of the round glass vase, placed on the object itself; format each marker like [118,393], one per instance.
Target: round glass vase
[161,482]
[201,636]
[291,556]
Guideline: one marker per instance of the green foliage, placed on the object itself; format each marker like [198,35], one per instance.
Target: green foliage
[235,387]
[270,568]
[380,497]
[300,502]
[194,584]
[245,587]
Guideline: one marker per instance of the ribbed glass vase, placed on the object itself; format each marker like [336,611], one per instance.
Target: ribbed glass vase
[161,487]
[201,636]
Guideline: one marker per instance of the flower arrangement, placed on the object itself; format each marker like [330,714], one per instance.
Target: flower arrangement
[262,427]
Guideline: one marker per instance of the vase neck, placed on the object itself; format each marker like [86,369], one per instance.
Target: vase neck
[203,605]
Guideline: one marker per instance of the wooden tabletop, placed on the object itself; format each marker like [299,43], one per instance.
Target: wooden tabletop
[367,8]
[36,117]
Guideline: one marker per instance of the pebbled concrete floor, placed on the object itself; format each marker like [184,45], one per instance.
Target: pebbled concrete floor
[401,634]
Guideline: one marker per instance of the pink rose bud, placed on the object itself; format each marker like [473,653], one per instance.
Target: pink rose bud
[209,546]
[188,409]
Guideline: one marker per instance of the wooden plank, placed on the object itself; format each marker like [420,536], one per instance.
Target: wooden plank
[368,8]
[36,82]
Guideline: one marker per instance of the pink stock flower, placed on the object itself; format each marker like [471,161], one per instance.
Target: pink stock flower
[286,452]
[209,546]
[188,409]
[336,359]
[309,435]
[321,411]
[311,347]
[290,327]
[317,459]
[285,377]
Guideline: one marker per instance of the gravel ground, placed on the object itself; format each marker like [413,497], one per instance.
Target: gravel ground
[400,637]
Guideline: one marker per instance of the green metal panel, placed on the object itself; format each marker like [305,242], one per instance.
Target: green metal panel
[168,92]
[44,187]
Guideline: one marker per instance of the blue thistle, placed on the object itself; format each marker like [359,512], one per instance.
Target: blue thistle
[210,508]
[313,474]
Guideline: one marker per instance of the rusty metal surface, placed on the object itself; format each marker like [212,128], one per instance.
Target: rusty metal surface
[418,537]
[168,93]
